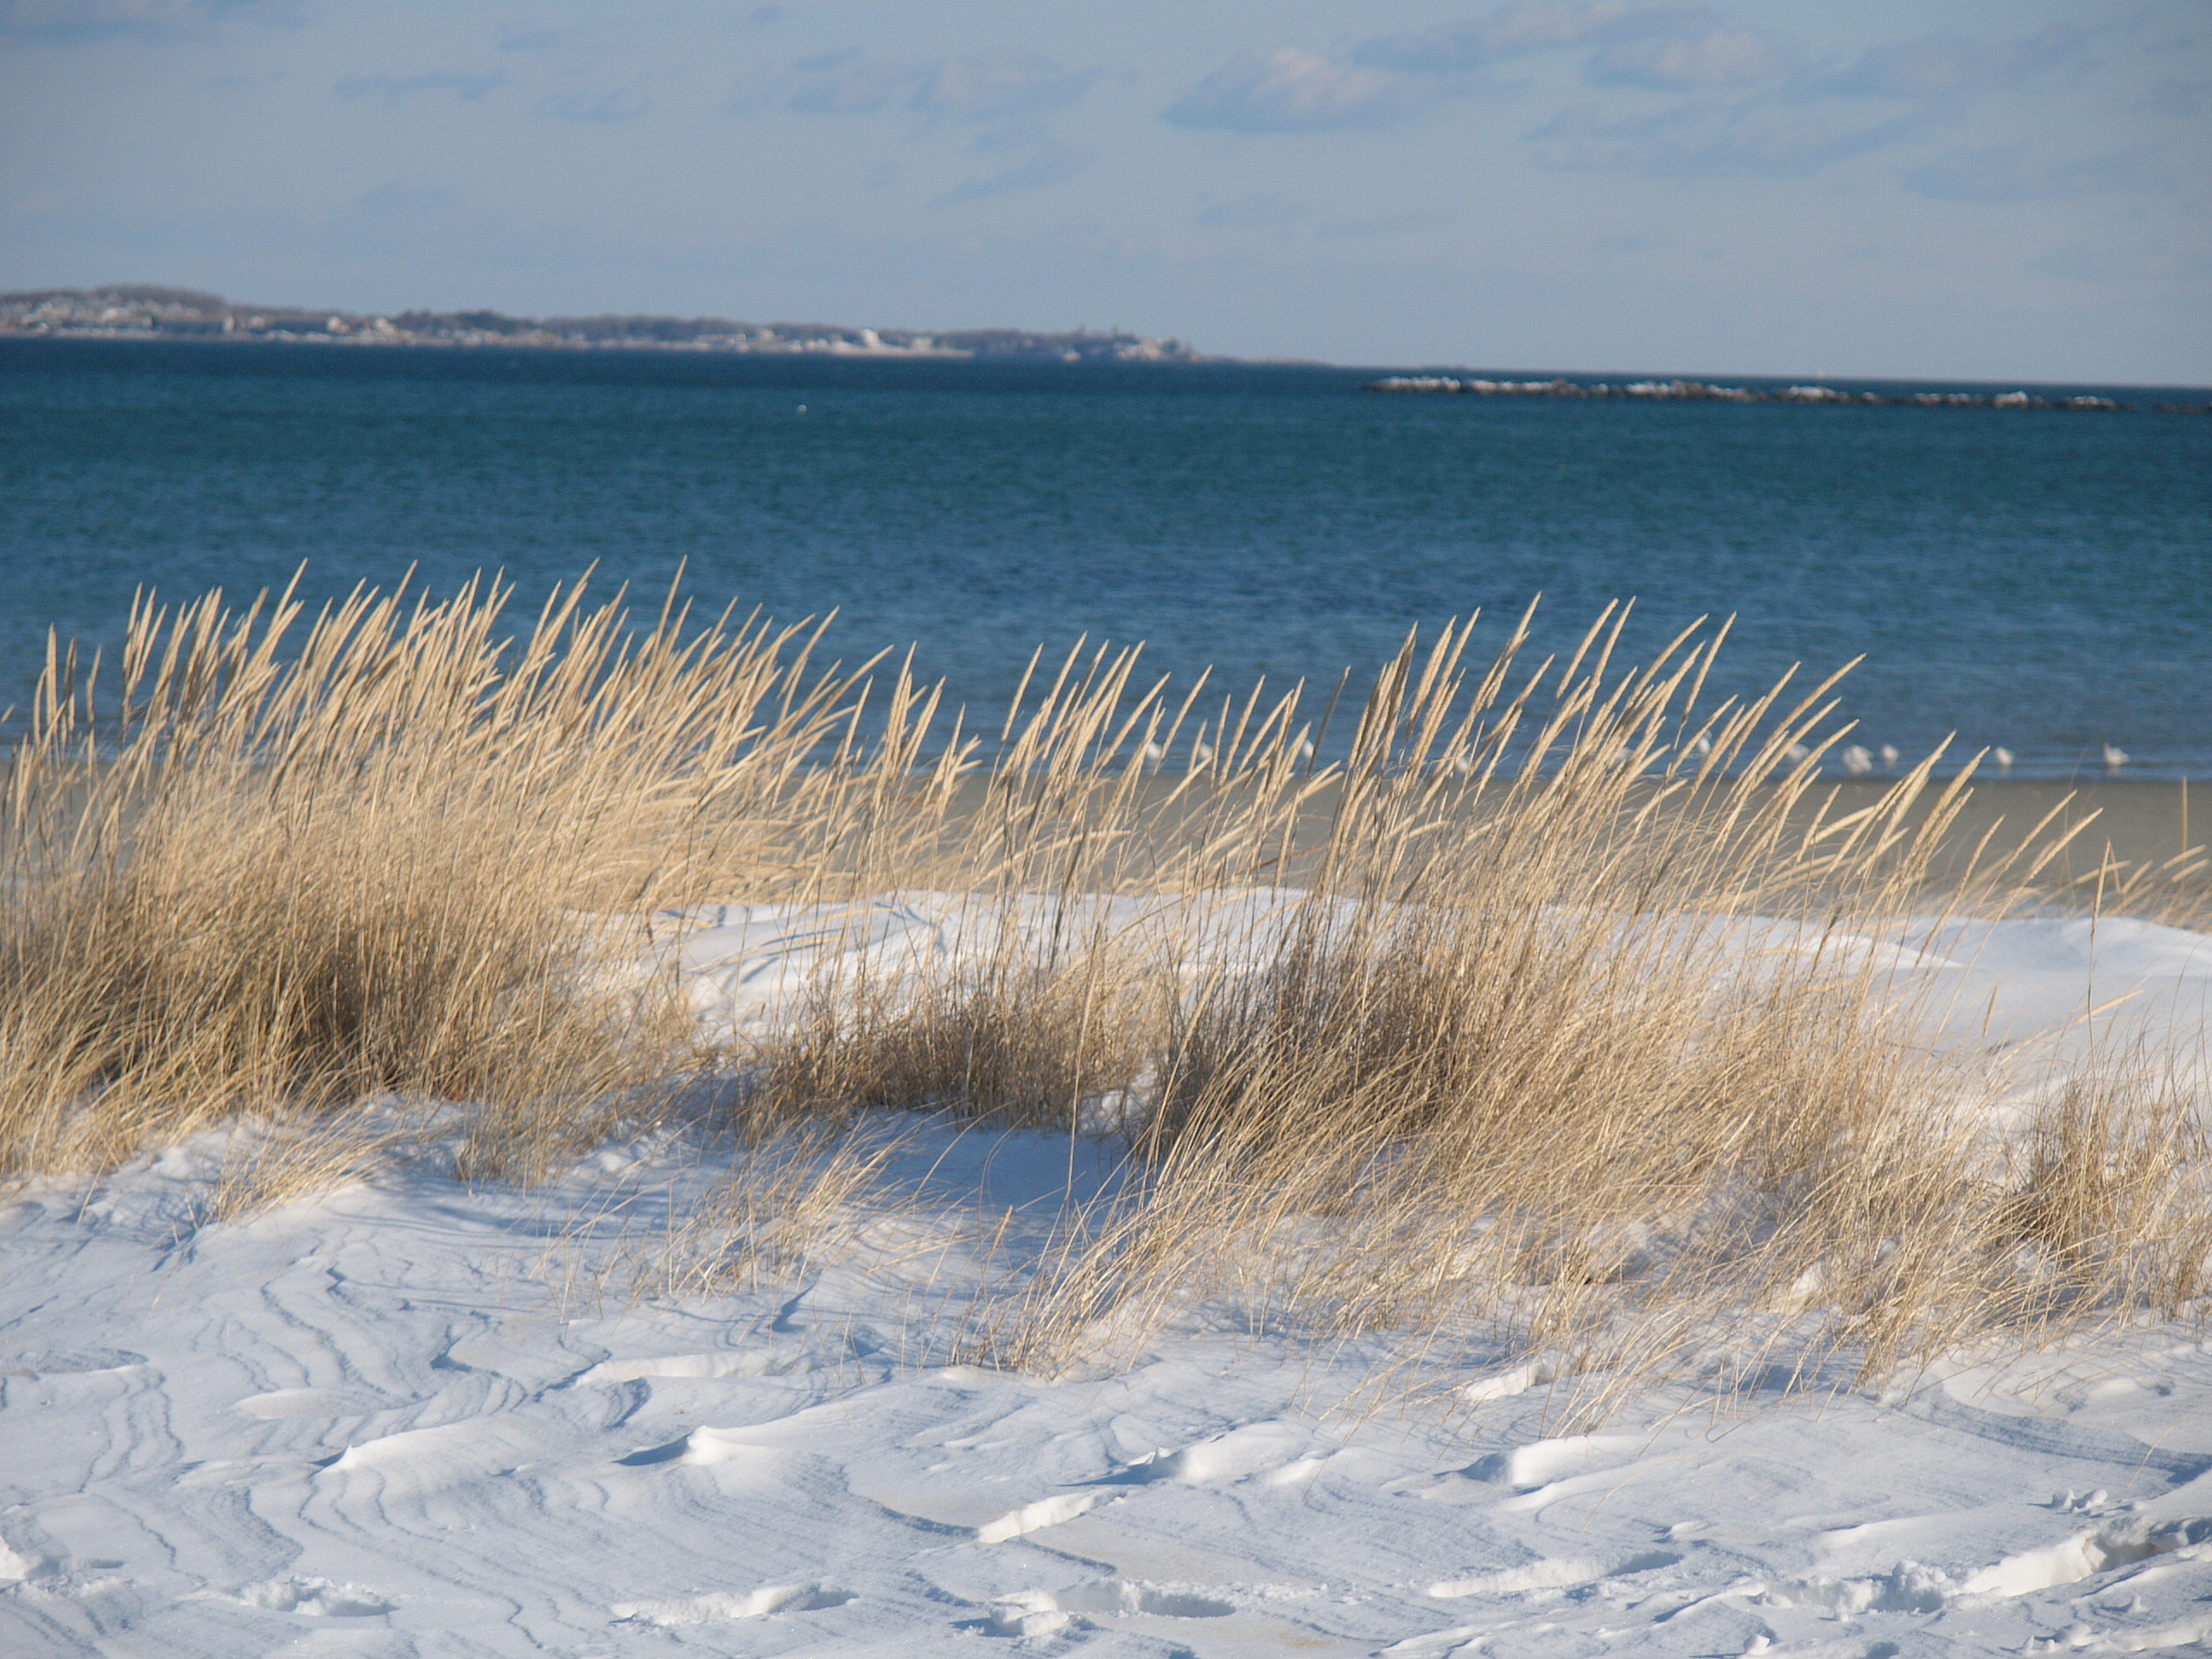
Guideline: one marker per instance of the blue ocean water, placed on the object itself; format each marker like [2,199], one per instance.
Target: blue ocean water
[2041,580]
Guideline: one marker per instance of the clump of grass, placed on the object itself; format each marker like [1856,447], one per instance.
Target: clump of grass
[1607,1040]
[275,1160]
[287,863]
[1009,1031]
[2100,1171]
[1575,1012]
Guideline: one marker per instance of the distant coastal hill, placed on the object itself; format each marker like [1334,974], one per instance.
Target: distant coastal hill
[142,311]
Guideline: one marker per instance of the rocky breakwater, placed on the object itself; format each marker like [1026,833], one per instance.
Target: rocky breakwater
[1705,392]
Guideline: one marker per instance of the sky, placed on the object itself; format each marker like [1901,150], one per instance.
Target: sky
[1960,188]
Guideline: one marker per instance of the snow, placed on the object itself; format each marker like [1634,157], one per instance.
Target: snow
[2023,981]
[412,1418]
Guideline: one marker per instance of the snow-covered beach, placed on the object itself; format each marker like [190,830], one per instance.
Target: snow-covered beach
[561,1144]
[1414,879]
[410,1417]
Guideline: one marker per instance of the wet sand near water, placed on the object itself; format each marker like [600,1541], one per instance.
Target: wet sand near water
[2132,824]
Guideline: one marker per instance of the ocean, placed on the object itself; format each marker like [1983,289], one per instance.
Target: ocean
[2040,580]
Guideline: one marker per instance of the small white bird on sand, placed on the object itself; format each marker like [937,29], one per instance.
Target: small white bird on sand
[1857,761]
[2003,757]
[1889,756]
[2115,758]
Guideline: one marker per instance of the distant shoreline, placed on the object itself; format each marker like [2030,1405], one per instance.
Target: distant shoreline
[795,369]
[147,314]
[140,312]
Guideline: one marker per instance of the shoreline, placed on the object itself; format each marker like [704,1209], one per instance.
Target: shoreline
[2139,823]
[1005,349]
[2143,825]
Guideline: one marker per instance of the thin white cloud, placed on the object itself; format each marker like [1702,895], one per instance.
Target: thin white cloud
[1251,212]
[601,107]
[1513,31]
[1708,139]
[2183,97]
[72,20]
[983,86]
[1000,96]
[1052,163]
[532,37]
[838,83]
[995,86]
[1654,240]
[1369,226]
[1950,65]
[2133,262]
[1285,90]
[468,84]
[1675,47]
[2010,175]
[1719,57]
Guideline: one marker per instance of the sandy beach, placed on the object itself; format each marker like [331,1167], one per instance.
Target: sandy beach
[2155,828]
[2139,822]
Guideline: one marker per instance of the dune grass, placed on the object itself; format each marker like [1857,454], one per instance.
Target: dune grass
[1581,1021]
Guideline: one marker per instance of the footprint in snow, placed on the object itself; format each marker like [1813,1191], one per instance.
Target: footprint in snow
[1763,1643]
[2086,1554]
[1049,1613]
[1533,1471]
[689,1367]
[1257,1448]
[705,1444]
[314,1599]
[1559,1573]
[19,1566]
[70,1361]
[1035,1518]
[724,1604]
[1908,1587]
[1540,1462]
[1254,1449]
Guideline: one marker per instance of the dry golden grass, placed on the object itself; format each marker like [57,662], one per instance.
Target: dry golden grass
[292,863]
[1579,1018]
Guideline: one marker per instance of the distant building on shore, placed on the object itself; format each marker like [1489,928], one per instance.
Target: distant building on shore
[143,311]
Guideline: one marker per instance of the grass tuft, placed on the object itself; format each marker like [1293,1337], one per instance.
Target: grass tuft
[1570,1010]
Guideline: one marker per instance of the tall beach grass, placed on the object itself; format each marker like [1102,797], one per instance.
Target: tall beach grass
[1575,1015]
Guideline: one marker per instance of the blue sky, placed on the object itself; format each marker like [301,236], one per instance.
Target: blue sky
[1995,191]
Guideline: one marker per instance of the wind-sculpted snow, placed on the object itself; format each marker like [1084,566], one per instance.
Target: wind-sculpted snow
[410,1417]
[2025,984]
[741,967]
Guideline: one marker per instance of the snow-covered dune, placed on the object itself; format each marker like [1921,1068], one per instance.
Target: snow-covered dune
[2046,985]
[412,1418]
